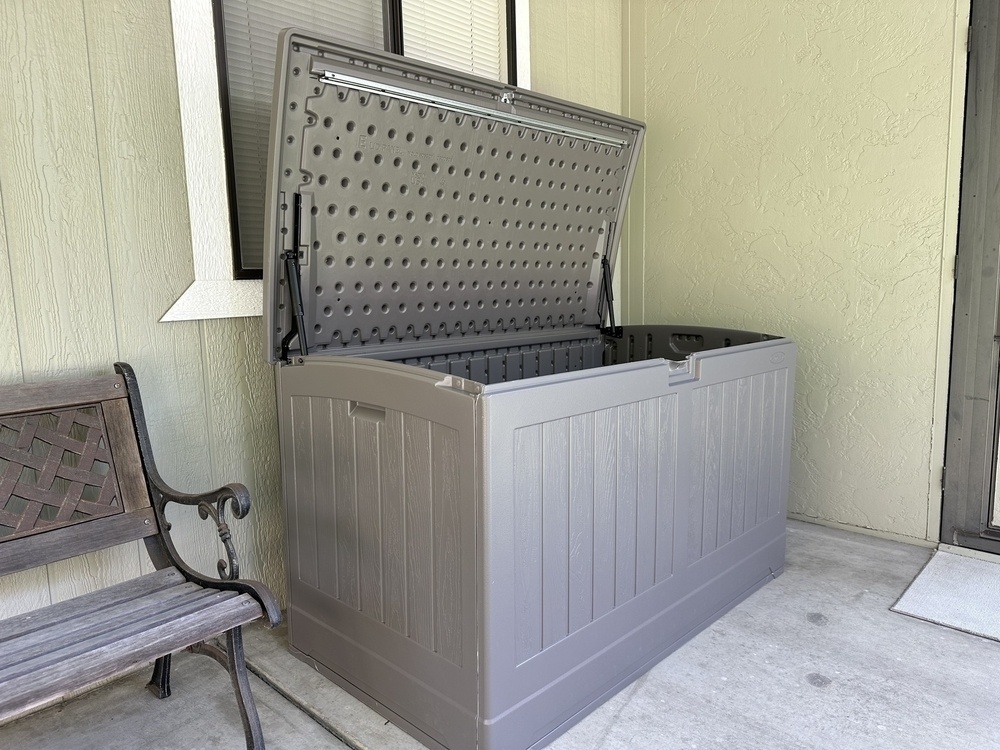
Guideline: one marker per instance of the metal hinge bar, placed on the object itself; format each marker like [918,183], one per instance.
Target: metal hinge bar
[333,78]
[293,279]
[606,295]
[303,217]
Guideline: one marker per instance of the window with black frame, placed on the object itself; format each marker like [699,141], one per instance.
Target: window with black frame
[475,36]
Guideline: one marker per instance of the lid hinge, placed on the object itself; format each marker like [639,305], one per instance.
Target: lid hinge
[607,298]
[293,277]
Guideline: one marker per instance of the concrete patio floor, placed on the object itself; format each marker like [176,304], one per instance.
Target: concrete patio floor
[813,660]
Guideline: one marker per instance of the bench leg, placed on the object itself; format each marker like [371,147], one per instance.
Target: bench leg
[241,684]
[159,683]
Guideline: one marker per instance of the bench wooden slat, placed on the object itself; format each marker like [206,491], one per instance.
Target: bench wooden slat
[60,544]
[17,399]
[128,465]
[63,648]
[105,623]
[56,680]
[81,606]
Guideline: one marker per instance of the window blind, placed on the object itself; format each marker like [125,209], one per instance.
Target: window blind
[467,35]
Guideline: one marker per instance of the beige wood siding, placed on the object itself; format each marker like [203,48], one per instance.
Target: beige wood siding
[96,247]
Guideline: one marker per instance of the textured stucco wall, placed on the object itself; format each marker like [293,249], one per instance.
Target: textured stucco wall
[800,177]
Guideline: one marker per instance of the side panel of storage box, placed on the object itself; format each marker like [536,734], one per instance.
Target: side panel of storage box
[379,465]
[625,508]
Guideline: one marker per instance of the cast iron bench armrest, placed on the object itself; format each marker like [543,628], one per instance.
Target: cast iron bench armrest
[211,504]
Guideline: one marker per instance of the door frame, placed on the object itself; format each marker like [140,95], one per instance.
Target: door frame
[971,443]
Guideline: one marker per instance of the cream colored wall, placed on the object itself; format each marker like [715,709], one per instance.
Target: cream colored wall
[96,247]
[576,51]
[800,177]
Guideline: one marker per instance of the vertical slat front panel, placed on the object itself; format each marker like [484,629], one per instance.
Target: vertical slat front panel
[594,498]
[366,440]
[304,477]
[528,541]
[741,456]
[661,448]
[728,427]
[714,427]
[696,487]
[394,522]
[555,531]
[779,458]
[647,497]
[767,439]
[753,450]
[625,521]
[666,495]
[447,544]
[605,472]
[402,623]
[377,516]
[419,530]
[344,471]
[581,520]
[738,459]
[323,483]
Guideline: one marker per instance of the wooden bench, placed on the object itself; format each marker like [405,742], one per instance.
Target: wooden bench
[77,475]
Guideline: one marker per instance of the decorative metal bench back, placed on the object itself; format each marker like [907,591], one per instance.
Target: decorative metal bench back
[69,470]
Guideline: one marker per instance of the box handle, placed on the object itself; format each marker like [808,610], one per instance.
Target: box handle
[367,412]
[683,372]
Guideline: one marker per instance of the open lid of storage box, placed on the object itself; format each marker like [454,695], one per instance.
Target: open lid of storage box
[410,207]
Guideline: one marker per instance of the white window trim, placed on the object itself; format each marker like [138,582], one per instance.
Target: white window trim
[522,43]
[214,293]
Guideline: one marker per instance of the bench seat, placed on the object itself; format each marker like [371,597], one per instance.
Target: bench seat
[77,475]
[53,651]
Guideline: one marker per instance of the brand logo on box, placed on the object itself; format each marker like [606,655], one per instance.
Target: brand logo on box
[777,358]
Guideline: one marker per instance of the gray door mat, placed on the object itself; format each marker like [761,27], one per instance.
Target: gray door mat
[958,592]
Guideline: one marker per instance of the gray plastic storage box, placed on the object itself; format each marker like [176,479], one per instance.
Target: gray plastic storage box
[498,512]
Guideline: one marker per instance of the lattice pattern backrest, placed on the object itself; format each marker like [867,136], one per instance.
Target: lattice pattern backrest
[55,470]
